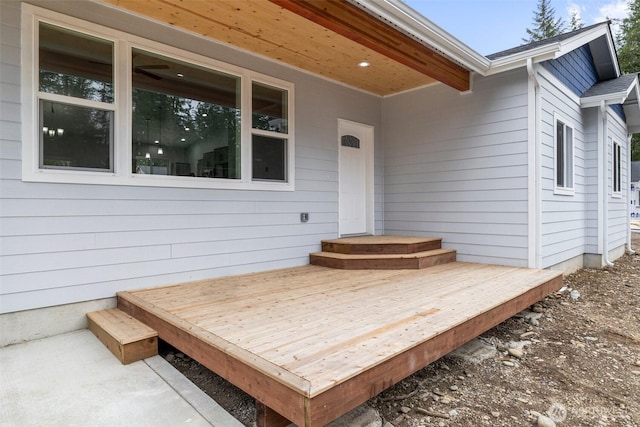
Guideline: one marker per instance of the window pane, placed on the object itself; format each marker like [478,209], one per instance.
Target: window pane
[560,154]
[269,108]
[617,182]
[619,171]
[186,119]
[568,141]
[74,137]
[269,158]
[74,64]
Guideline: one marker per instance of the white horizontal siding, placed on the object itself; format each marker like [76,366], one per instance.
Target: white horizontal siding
[570,224]
[618,222]
[564,217]
[592,165]
[64,243]
[456,167]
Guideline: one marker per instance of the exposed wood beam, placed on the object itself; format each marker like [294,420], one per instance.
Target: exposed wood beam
[357,25]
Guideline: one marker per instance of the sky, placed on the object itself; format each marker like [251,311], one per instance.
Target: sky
[489,26]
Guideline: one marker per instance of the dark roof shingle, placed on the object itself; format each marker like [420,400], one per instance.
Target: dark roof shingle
[544,42]
[621,84]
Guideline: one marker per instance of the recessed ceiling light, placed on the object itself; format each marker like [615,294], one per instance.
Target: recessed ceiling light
[364,64]
[180,75]
[183,139]
[186,129]
[156,141]
[204,114]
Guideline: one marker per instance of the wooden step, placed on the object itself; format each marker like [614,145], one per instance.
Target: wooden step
[381,245]
[127,338]
[383,262]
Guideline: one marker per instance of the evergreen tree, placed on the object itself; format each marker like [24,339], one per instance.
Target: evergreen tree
[629,40]
[545,23]
[629,55]
[576,22]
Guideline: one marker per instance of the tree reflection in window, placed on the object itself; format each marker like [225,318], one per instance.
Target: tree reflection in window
[186,119]
[74,67]
[74,64]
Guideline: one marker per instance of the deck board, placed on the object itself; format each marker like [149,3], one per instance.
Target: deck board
[317,331]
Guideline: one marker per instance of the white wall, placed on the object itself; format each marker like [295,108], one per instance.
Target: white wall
[591,166]
[618,222]
[65,243]
[571,223]
[565,217]
[456,167]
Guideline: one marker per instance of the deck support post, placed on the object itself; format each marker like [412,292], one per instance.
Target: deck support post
[267,417]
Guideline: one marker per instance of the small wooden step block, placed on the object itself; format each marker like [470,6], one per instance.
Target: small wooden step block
[127,338]
[412,261]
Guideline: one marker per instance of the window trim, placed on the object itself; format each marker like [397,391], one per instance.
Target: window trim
[122,154]
[616,170]
[562,189]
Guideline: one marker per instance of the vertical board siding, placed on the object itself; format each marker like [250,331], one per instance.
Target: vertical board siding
[64,243]
[456,167]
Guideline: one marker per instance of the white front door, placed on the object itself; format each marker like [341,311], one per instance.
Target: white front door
[355,178]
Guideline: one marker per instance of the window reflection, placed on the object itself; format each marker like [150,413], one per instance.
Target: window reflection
[75,137]
[186,120]
[269,158]
[74,64]
[269,108]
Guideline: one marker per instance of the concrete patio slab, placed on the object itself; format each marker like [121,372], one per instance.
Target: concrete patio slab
[73,380]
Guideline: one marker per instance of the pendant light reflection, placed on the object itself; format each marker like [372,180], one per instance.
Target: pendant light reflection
[52,132]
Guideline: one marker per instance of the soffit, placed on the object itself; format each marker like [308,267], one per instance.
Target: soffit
[325,37]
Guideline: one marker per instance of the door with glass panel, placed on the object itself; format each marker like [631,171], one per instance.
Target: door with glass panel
[355,178]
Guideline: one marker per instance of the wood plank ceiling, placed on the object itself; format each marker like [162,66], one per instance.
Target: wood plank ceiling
[326,37]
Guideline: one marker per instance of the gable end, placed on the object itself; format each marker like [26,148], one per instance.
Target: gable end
[576,70]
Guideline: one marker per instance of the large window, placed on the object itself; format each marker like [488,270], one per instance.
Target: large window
[75,100]
[186,119]
[563,157]
[617,169]
[111,108]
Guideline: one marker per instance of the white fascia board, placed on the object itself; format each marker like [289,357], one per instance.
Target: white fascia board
[518,60]
[581,39]
[422,29]
[609,98]
[632,110]
[635,89]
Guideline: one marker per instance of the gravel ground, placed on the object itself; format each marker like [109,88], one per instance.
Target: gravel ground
[573,360]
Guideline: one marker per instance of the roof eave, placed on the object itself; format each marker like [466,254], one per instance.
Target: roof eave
[631,108]
[518,60]
[422,29]
[553,51]
[620,97]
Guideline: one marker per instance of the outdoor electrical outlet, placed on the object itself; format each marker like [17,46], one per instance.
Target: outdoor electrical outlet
[304,217]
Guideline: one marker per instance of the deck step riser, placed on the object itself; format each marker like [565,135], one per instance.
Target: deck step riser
[380,249]
[127,338]
[399,263]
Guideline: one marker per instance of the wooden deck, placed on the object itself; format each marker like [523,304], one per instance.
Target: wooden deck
[311,343]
